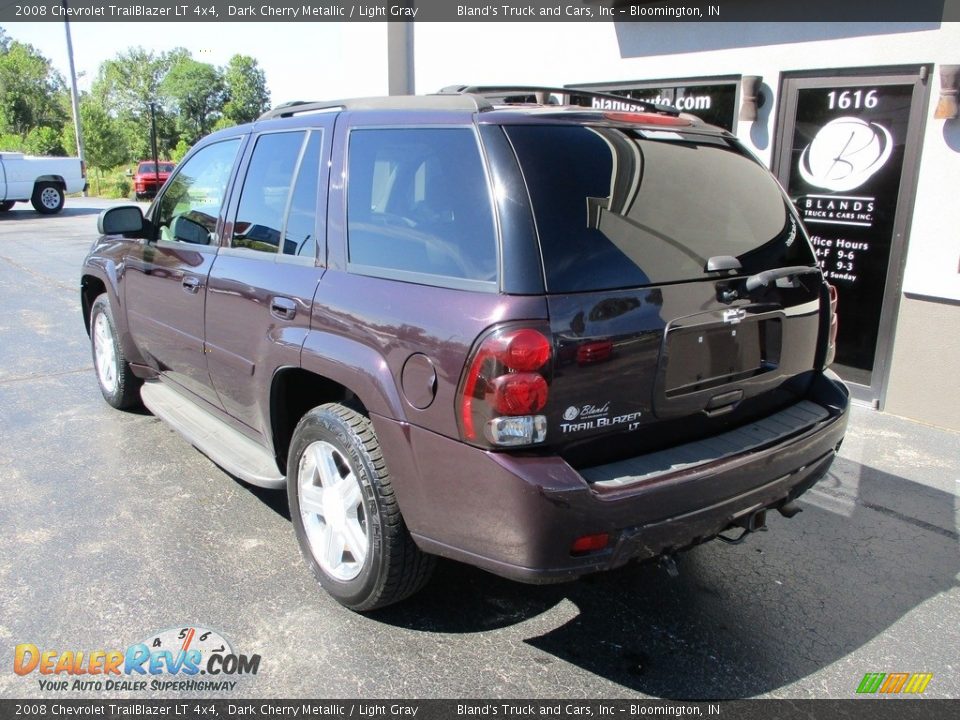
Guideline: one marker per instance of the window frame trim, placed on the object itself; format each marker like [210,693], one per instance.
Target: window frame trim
[154,209]
[229,248]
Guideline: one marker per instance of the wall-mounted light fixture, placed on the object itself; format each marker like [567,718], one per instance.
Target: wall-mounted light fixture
[750,96]
[947,106]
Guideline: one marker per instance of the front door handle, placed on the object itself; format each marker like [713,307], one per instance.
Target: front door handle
[191,284]
[283,308]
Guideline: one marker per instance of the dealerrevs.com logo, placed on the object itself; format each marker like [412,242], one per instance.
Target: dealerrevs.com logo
[894,683]
[189,659]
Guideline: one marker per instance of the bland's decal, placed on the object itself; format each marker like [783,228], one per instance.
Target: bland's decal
[792,235]
[593,417]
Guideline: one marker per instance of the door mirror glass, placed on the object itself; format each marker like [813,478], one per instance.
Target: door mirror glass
[125,220]
[188,230]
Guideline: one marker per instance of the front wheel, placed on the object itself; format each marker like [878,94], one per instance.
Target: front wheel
[120,387]
[345,513]
[6,205]
[47,198]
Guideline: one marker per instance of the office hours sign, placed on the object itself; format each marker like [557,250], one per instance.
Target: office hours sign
[845,173]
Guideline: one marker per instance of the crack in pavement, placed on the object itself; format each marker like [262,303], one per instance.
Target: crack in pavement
[883,510]
[46,278]
[41,376]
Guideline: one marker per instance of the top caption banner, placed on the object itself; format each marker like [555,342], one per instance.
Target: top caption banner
[473,11]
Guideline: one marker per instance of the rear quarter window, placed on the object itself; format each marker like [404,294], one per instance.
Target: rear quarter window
[617,207]
[419,206]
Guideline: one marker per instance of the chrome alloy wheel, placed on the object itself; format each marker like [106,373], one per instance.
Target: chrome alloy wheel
[50,198]
[331,507]
[105,353]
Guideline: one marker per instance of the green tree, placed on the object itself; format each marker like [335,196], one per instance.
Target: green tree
[180,151]
[30,90]
[126,87]
[246,90]
[103,143]
[43,140]
[196,91]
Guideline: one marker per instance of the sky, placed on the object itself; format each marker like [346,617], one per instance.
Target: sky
[302,61]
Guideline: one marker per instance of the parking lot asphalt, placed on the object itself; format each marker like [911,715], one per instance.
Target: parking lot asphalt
[113,528]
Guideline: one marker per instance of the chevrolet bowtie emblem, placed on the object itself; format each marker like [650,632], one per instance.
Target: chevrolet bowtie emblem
[734,315]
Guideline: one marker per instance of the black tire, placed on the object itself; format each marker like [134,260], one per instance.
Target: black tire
[47,198]
[393,567]
[124,392]
[6,205]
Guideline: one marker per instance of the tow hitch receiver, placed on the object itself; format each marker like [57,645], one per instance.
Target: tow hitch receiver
[755,521]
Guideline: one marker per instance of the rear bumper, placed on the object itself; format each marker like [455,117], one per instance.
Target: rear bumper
[518,516]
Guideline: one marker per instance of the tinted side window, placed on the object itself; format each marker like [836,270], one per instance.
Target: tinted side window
[188,210]
[300,235]
[419,202]
[266,188]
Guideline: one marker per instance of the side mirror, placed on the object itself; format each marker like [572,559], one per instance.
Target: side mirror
[190,231]
[123,220]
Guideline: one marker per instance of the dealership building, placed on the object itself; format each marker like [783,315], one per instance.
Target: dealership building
[859,122]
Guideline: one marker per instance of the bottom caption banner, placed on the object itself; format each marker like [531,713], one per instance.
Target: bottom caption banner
[869,709]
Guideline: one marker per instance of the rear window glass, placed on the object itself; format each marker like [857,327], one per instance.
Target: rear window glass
[149,168]
[623,208]
[419,203]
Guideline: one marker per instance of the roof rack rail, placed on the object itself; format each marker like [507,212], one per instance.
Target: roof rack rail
[296,107]
[543,92]
[449,101]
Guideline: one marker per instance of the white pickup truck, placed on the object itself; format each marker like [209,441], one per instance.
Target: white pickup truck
[41,180]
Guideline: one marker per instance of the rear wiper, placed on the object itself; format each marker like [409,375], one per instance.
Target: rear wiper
[763,279]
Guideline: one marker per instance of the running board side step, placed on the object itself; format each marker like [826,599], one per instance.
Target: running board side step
[228,448]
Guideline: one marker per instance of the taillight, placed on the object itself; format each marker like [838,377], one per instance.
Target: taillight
[834,326]
[518,393]
[505,386]
[83,169]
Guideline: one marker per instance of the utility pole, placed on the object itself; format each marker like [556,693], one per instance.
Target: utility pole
[74,96]
[153,145]
[400,70]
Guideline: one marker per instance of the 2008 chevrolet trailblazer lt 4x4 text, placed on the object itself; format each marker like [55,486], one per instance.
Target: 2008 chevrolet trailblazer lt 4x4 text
[542,339]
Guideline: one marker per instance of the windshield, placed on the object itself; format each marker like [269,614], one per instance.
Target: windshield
[624,208]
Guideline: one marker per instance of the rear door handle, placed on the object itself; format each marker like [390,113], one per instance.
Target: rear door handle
[191,284]
[283,308]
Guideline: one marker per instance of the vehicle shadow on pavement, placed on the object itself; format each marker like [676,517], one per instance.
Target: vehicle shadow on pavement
[28,213]
[739,620]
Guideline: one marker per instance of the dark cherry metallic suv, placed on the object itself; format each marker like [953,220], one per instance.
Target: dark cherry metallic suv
[541,339]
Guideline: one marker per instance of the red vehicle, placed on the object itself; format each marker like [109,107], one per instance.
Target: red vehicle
[149,177]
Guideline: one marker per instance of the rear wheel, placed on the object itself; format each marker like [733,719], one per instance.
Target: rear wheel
[345,513]
[47,198]
[6,205]
[120,387]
